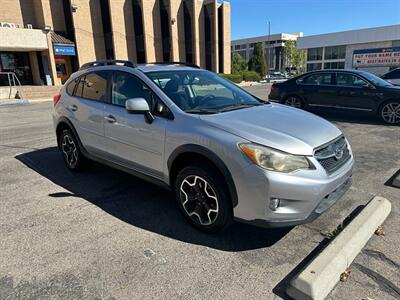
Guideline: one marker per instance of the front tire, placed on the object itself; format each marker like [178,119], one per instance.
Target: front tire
[71,153]
[389,112]
[203,198]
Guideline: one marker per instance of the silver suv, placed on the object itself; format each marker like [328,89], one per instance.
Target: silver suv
[224,153]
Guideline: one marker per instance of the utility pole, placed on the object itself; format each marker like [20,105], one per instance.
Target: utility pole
[268,43]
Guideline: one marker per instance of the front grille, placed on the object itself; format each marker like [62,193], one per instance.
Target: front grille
[334,155]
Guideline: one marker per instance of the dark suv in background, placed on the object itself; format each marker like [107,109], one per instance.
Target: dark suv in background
[341,89]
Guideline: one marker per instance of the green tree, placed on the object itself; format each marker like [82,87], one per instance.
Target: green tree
[295,58]
[257,61]
[239,65]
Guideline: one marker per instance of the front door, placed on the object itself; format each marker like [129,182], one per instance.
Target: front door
[132,141]
[354,92]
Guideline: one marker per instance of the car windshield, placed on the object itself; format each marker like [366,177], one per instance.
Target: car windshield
[376,80]
[199,91]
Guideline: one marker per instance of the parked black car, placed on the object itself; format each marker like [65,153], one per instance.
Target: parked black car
[341,89]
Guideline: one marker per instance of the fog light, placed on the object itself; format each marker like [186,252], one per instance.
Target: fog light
[274,203]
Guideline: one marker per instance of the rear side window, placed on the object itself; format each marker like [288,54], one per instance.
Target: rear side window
[79,88]
[93,86]
[318,79]
[71,87]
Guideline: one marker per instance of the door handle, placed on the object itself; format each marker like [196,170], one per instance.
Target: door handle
[110,119]
[73,107]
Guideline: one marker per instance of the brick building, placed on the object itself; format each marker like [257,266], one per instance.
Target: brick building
[43,41]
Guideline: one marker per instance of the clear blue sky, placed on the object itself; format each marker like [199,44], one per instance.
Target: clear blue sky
[249,17]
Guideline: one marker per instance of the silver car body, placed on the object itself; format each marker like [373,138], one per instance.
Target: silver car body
[148,148]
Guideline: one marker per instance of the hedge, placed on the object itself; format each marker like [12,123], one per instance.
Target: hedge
[237,78]
[251,76]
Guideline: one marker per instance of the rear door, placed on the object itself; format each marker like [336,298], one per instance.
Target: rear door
[318,89]
[354,92]
[131,140]
[86,109]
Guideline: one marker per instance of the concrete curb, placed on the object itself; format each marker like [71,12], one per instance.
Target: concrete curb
[14,102]
[322,274]
[23,102]
[40,100]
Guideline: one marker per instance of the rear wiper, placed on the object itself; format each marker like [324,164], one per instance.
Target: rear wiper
[202,111]
[237,106]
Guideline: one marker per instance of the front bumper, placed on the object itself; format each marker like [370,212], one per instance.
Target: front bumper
[324,205]
[304,195]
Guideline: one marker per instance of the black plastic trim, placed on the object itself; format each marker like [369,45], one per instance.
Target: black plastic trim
[69,123]
[192,148]
[277,224]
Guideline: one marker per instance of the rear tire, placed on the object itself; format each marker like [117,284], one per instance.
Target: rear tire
[203,198]
[389,112]
[71,153]
[294,101]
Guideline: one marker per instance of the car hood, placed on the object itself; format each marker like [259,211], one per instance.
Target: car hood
[274,125]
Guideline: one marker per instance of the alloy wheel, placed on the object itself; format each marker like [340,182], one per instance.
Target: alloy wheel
[199,200]
[69,150]
[293,101]
[391,113]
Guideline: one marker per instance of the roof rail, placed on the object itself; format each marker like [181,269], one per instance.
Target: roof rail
[188,64]
[98,63]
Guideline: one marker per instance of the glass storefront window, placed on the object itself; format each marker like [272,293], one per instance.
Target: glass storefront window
[17,62]
[335,52]
[314,54]
[314,66]
[334,65]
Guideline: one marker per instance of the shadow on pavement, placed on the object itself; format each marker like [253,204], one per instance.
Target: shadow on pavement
[141,204]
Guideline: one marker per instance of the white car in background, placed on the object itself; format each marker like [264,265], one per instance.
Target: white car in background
[275,77]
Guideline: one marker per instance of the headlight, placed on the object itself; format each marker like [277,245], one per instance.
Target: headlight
[275,160]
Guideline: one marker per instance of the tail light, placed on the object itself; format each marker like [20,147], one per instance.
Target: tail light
[56,98]
[273,88]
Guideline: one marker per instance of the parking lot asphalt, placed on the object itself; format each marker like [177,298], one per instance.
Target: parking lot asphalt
[104,234]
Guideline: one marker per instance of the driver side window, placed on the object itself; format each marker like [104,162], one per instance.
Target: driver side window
[126,86]
[350,80]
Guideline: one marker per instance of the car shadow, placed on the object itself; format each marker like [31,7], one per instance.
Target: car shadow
[141,204]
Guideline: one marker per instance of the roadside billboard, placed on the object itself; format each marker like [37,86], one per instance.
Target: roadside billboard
[378,57]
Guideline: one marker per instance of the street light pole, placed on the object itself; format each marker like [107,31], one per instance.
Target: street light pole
[268,44]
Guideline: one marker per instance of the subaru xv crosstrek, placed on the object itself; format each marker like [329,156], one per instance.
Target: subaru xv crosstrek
[225,154]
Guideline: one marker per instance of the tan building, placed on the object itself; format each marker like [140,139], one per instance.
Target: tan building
[43,41]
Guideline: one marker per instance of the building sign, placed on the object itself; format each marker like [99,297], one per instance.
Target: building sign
[381,57]
[64,50]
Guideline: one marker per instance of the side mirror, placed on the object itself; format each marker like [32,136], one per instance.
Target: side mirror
[139,106]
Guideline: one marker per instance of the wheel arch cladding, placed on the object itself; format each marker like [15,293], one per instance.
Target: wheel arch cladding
[191,153]
[64,123]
